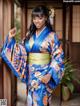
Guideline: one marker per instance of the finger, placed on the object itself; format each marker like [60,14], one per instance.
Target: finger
[13,29]
[12,32]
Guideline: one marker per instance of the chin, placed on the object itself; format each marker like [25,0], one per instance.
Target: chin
[38,27]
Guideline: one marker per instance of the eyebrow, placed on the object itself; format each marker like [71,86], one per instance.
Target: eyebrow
[37,15]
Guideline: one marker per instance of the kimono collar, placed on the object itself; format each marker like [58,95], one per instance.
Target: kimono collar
[38,41]
[40,32]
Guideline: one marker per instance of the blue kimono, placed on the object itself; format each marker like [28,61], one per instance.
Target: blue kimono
[16,57]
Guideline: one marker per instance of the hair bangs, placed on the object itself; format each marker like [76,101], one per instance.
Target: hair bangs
[37,14]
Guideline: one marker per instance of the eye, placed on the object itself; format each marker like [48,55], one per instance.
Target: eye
[37,17]
[34,18]
[40,18]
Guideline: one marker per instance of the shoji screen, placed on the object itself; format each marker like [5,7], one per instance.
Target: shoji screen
[59,22]
[76,23]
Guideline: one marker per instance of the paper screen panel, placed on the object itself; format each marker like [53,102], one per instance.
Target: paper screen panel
[59,22]
[76,24]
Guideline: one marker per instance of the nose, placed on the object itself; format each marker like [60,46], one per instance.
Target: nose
[36,20]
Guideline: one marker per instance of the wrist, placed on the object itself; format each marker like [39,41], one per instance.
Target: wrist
[9,38]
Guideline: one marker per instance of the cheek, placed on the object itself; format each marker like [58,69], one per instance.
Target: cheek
[42,22]
[39,22]
[34,21]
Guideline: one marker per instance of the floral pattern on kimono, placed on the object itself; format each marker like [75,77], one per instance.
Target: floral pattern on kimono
[32,74]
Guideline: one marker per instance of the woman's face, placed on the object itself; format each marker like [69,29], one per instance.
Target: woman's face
[39,22]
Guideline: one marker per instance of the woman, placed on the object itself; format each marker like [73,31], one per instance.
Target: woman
[38,60]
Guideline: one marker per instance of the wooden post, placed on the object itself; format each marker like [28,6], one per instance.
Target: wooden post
[23,20]
[64,26]
[1,42]
[6,76]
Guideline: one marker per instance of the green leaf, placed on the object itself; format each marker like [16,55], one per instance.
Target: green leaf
[70,86]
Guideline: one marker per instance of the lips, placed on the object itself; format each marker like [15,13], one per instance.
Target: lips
[37,25]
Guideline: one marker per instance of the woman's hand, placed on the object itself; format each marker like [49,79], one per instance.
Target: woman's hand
[12,32]
[46,78]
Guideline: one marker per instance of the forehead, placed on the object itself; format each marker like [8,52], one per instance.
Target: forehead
[37,14]
[38,17]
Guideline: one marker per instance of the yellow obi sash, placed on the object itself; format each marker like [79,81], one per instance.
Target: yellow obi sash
[39,58]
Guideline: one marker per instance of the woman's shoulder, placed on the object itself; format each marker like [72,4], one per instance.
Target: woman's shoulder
[52,34]
[54,37]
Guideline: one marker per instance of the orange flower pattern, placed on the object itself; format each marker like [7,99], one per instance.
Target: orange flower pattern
[38,92]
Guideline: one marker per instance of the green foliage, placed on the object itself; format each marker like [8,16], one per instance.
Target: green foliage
[17,24]
[69,75]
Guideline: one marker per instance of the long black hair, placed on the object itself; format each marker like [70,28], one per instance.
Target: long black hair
[38,11]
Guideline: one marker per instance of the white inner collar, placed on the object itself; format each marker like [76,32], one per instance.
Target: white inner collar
[37,35]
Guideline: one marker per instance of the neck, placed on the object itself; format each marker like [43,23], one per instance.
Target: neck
[38,31]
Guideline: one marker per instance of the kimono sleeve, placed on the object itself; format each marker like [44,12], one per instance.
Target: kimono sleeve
[56,68]
[15,56]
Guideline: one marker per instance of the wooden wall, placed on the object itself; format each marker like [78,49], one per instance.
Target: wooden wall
[72,37]
[6,77]
[1,42]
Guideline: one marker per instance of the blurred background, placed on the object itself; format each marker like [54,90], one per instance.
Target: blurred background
[65,20]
